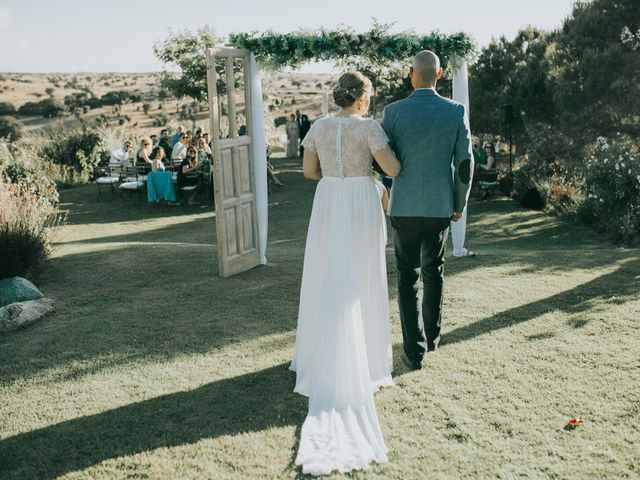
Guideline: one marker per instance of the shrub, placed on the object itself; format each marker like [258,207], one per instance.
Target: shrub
[29,208]
[7,108]
[78,150]
[612,188]
[114,97]
[10,128]
[21,165]
[24,222]
[29,108]
[48,108]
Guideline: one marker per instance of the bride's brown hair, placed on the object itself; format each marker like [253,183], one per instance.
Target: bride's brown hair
[351,86]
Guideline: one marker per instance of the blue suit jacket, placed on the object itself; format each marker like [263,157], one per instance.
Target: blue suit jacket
[430,137]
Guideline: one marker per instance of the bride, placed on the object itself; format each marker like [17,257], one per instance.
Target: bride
[343,345]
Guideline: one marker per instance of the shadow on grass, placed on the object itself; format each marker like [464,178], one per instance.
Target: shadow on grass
[614,287]
[149,302]
[611,287]
[83,207]
[248,403]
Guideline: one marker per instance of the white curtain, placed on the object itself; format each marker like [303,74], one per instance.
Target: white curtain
[259,158]
[460,94]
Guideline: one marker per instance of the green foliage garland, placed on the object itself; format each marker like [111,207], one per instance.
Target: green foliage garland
[378,46]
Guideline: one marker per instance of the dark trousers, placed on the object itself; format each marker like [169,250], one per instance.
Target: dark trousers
[420,243]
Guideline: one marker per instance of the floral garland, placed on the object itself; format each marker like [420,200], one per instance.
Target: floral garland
[378,46]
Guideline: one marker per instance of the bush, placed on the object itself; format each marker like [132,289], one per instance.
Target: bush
[29,208]
[48,108]
[10,128]
[7,108]
[79,150]
[612,188]
[23,166]
[29,109]
[531,185]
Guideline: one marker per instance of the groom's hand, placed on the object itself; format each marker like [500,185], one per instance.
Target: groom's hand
[456,216]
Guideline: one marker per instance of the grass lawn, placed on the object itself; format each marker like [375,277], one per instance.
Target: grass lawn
[152,366]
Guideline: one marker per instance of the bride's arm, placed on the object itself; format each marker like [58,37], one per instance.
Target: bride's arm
[311,165]
[387,160]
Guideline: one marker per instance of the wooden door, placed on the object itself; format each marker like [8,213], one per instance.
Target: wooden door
[228,78]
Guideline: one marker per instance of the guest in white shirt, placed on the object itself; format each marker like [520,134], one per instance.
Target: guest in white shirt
[120,157]
[179,151]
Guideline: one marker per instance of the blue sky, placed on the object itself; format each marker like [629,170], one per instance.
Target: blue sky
[118,35]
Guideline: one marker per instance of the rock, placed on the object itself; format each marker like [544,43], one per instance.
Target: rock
[21,314]
[17,289]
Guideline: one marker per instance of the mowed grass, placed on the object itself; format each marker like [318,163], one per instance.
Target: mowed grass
[153,366]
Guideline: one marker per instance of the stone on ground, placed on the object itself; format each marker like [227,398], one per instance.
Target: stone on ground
[17,289]
[21,314]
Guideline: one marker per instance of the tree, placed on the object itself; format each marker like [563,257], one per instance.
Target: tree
[596,64]
[186,50]
[511,72]
[51,108]
[49,91]
[10,128]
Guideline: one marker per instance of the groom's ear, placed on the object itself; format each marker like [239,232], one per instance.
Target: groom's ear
[439,74]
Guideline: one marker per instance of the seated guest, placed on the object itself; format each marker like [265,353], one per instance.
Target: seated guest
[154,140]
[179,151]
[204,150]
[143,157]
[120,157]
[188,172]
[165,142]
[176,136]
[270,173]
[157,157]
[489,154]
[485,169]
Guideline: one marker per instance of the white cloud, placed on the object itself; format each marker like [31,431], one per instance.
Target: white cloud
[4,17]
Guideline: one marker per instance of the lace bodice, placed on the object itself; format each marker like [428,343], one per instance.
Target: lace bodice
[345,145]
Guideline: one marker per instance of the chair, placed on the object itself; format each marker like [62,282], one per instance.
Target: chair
[488,182]
[132,181]
[106,177]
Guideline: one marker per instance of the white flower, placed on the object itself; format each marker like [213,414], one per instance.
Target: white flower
[622,164]
[605,161]
[617,167]
[601,200]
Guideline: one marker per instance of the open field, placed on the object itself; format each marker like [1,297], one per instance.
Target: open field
[153,366]
[285,92]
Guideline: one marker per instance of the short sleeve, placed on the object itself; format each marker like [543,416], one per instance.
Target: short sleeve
[309,140]
[376,138]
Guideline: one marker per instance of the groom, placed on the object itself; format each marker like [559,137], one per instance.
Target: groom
[428,134]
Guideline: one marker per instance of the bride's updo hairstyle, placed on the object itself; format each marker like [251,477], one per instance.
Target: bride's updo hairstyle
[351,86]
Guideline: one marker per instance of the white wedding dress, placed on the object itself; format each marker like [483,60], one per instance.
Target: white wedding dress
[343,344]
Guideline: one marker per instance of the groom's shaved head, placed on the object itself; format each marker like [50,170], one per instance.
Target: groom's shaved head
[426,65]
